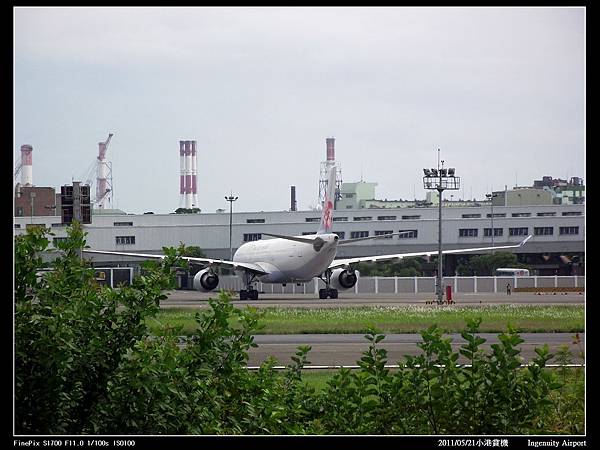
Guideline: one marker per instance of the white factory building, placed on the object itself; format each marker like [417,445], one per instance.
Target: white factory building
[558,231]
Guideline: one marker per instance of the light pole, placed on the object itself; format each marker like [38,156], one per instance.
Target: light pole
[491,198]
[440,179]
[230,199]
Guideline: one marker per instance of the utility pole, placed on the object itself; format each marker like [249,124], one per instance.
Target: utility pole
[230,199]
[440,179]
[491,198]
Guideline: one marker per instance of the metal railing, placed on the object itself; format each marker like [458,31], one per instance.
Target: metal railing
[416,285]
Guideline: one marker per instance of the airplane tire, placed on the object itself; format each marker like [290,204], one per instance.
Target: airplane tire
[333,293]
[243,294]
[323,294]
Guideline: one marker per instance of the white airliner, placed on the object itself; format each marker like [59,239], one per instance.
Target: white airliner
[295,259]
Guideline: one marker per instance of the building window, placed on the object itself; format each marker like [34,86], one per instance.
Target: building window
[17,225]
[19,212]
[58,225]
[383,233]
[125,240]
[546,214]
[252,237]
[341,234]
[386,217]
[363,218]
[410,217]
[408,234]
[349,195]
[255,220]
[358,234]
[312,219]
[521,214]
[123,224]
[520,231]
[340,219]
[467,232]
[568,230]
[496,215]
[543,231]
[348,206]
[572,213]
[471,216]
[487,232]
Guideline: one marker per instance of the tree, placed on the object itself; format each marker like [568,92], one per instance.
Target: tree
[187,211]
[405,267]
[193,251]
[486,265]
[71,333]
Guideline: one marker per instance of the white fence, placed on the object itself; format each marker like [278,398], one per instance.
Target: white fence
[416,285]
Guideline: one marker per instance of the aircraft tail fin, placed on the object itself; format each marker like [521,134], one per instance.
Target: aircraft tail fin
[327,213]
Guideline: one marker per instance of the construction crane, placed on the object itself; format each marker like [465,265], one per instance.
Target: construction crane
[105,145]
[95,171]
[18,168]
[104,173]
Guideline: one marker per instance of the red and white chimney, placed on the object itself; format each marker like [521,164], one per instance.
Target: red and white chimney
[26,165]
[188,191]
[330,149]
[181,174]
[188,174]
[194,176]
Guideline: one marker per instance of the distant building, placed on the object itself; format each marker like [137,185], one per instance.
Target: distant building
[523,196]
[354,195]
[34,201]
[564,192]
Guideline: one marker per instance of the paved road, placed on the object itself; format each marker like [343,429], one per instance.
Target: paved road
[196,299]
[346,349]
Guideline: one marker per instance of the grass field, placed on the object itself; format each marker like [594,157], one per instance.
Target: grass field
[396,319]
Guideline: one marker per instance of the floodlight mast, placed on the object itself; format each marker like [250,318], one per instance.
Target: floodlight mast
[443,179]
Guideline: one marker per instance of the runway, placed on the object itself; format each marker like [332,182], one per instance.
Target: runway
[196,299]
[346,349]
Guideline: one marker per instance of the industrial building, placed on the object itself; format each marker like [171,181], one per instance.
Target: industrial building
[557,247]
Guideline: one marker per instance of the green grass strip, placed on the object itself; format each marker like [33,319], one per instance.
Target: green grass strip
[397,319]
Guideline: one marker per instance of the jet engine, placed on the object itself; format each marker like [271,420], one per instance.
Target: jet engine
[206,280]
[342,279]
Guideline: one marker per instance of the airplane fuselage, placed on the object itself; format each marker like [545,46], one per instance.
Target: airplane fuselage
[289,261]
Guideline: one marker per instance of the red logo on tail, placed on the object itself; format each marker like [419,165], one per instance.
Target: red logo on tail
[327,215]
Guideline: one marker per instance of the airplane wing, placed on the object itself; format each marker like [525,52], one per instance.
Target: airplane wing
[254,268]
[348,261]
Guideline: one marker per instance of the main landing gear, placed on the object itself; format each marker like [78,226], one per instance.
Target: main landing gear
[249,293]
[328,291]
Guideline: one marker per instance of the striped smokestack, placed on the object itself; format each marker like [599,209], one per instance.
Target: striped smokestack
[330,149]
[26,165]
[188,174]
[181,174]
[194,176]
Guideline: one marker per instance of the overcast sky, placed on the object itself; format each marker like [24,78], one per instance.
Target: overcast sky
[501,91]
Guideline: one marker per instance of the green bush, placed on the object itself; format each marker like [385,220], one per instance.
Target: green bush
[85,362]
